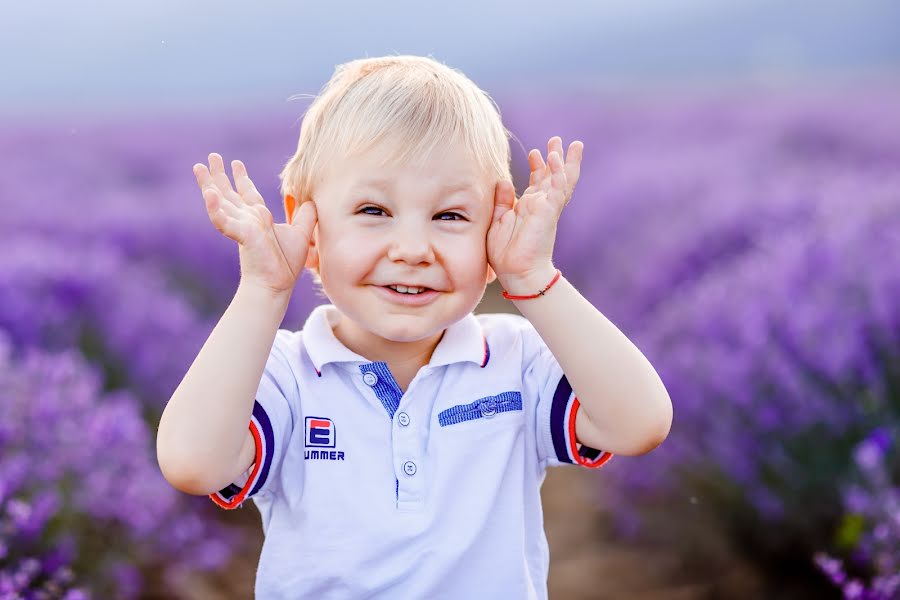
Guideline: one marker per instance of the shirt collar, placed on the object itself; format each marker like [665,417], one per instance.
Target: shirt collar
[462,341]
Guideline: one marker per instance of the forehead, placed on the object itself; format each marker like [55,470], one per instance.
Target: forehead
[448,168]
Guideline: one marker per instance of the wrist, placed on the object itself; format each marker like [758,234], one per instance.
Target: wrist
[529,283]
[264,295]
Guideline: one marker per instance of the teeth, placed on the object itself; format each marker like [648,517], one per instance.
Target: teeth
[406,290]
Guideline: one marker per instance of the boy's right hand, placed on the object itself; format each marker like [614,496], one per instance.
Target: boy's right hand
[272,254]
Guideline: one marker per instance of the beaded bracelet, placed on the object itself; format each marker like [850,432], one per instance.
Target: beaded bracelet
[540,293]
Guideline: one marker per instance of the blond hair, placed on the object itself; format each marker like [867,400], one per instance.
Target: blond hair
[406,105]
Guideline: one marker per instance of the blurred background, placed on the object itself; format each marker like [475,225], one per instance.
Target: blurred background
[738,217]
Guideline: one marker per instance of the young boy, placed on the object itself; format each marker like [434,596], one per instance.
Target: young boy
[397,443]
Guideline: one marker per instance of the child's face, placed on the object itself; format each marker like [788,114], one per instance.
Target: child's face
[369,236]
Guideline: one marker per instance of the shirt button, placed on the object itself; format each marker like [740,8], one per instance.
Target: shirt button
[409,467]
[370,378]
[403,419]
[488,408]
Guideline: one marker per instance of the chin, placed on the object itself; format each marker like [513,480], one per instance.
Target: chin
[406,335]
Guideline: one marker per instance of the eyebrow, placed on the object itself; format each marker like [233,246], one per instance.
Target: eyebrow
[383,184]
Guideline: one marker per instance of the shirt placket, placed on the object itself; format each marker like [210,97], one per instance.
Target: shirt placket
[406,450]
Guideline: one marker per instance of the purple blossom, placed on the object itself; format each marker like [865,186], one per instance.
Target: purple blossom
[113,258]
[742,245]
[868,455]
[873,496]
[79,455]
[741,242]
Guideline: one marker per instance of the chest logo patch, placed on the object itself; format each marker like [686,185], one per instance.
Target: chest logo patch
[321,433]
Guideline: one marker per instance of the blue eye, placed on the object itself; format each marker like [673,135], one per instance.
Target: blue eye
[375,208]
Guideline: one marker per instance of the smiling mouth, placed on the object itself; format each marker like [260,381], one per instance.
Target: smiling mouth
[407,298]
[421,290]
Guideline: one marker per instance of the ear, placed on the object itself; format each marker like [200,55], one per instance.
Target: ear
[289,205]
[491,276]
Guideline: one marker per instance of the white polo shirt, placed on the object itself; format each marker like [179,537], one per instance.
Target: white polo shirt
[367,492]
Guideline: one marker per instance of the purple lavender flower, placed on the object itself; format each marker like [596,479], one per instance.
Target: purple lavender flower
[742,244]
[83,457]
[876,499]
[115,254]
[115,258]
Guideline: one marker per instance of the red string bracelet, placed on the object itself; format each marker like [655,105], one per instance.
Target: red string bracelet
[540,293]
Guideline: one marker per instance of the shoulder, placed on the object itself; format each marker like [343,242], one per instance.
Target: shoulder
[284,359]
[287,343]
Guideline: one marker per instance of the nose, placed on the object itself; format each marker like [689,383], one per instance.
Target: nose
[411,244]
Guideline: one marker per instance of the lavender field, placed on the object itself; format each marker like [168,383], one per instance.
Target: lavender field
[748,243]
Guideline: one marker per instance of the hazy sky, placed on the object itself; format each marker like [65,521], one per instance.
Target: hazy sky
[138,55]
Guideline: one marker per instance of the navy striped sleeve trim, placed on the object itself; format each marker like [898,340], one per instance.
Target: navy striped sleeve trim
[562,429]
[233,496]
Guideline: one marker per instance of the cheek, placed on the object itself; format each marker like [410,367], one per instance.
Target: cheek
[467,258]
[469,249]
[351,255]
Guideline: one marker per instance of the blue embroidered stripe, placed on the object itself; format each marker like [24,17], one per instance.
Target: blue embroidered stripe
[385,388]
[481,408]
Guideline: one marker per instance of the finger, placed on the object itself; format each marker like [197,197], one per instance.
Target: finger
[204,178]
[504,198]
[557,178]
[244,184]
[200,173]
[212,194]
[538,168]
[576,151]
[218,214]
[305,218]
[217,169]
[573,164]
[205,181]
[554,144]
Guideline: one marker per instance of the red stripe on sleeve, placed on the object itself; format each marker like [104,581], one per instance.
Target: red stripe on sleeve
[573,446]
[239,498]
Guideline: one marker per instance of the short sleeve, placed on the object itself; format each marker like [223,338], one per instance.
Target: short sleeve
[271,424]
[557,406]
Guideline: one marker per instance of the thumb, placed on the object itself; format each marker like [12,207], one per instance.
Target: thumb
[504,198]
[305,218]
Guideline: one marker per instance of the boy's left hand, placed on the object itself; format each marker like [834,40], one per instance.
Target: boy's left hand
[522,232]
